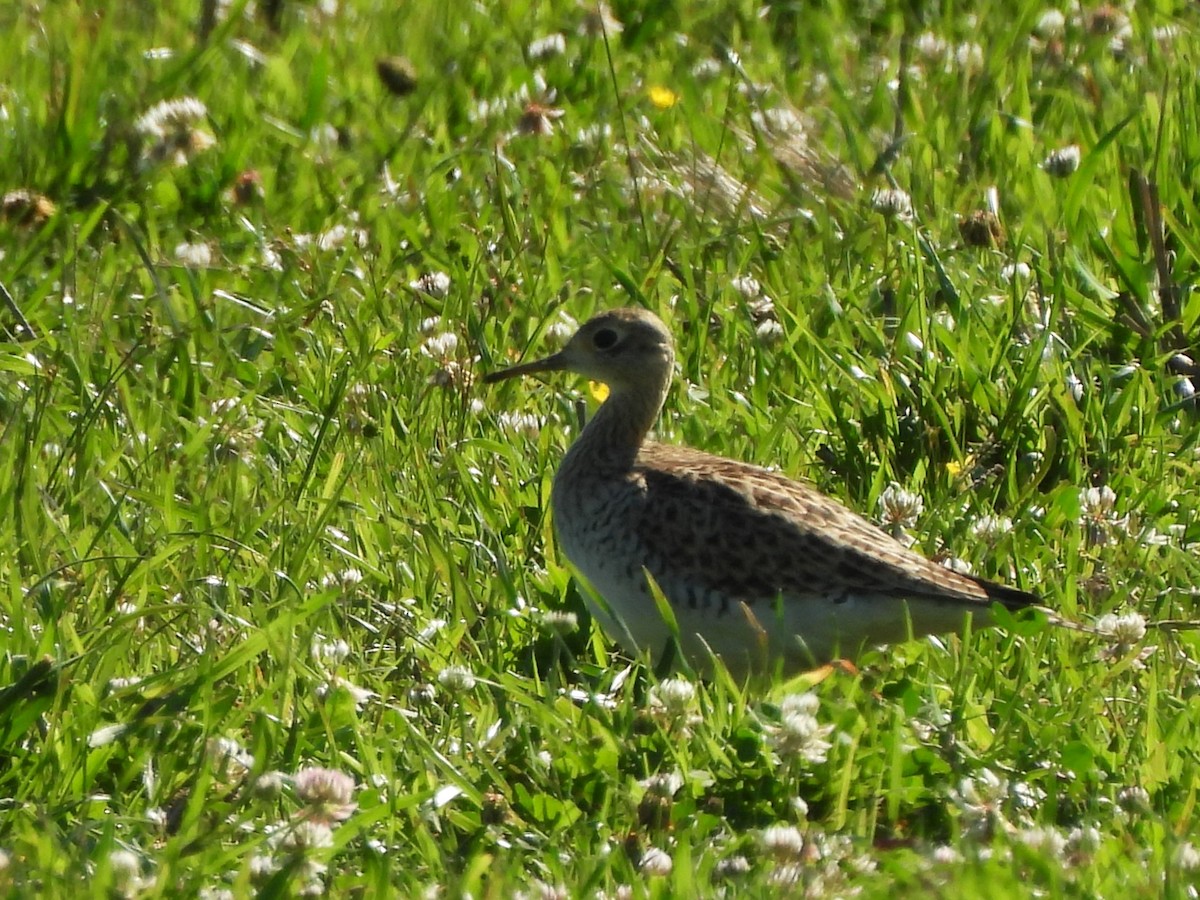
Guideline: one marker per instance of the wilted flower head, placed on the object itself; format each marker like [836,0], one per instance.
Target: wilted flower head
[981,228]
[172,131]
[892,203]
[538,118]
[326,794]
[26,208]
[1062,162]
[599,21]
[398,75]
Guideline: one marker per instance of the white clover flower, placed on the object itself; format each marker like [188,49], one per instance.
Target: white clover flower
[807,703]
[662,784]
[1074,386]
[1084,839]
[560,621]
[523,424]
[1098,514]
[268,785]
[706,69]
[336,237]
[334,651]
[302,836]
[457,679]
[747,286]
[1134,798]
[229,761]
[769,331]
[969,56]
[1122,629]
[326,793]
[171,130]
[673,697]
[435,284]
[338,685]
[1062,162]
[346,580]
[892,203]
[931,46]
[441,346]
[783,842]
[126,867]
[991,527]
[1049,842]
[1187,857]
[899,508]
[656,863]
[1050,24]
[194,256]
[800,736]
[561,330]
[979,801]
[945,855]
[731,868]
[1018,271]
[548,46]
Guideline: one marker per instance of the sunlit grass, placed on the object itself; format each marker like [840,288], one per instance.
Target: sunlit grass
[260,519]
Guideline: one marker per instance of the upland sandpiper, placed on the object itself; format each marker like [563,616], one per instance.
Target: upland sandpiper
[760,570]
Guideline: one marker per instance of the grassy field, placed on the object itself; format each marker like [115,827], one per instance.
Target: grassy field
[282,609]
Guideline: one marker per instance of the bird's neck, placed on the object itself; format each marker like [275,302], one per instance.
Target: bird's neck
[613,437]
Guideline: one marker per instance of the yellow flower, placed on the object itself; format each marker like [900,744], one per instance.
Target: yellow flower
[663,97]
[954,469]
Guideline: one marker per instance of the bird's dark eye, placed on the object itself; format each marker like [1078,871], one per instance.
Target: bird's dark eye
[604,339]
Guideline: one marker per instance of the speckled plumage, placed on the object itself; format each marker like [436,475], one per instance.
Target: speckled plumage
[759,569]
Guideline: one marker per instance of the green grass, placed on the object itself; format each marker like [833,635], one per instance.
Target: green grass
[256,500]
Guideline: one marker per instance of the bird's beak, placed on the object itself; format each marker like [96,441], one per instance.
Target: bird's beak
[555,363]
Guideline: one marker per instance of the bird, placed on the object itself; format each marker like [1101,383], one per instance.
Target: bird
[761,571]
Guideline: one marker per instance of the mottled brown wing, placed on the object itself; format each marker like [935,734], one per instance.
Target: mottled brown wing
[753,534]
